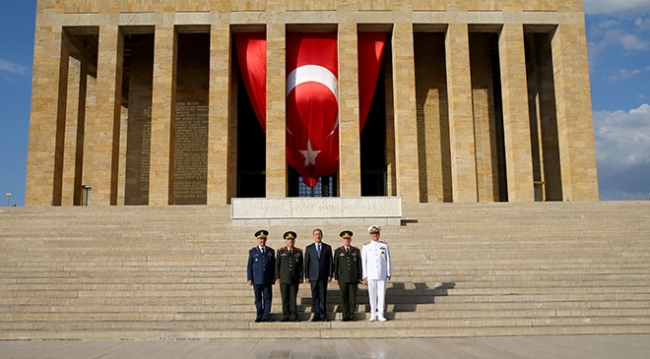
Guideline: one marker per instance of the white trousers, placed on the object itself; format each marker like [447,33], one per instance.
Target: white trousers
[377,296]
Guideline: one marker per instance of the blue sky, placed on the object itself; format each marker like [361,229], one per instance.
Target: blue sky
[618,33]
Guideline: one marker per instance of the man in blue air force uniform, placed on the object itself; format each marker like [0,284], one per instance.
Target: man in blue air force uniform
[261,275]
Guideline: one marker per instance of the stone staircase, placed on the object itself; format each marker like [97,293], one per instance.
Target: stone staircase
[459,270]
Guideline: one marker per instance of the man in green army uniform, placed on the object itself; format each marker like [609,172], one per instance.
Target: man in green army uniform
[348,274]
[288,273]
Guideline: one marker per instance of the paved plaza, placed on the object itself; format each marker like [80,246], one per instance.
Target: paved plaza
[590,346]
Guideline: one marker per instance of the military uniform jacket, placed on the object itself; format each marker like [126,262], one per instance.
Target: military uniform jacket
[289,266]
[347,266]
[261,268]
[376,260]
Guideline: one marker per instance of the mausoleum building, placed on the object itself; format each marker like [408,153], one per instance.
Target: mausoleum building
[171,102]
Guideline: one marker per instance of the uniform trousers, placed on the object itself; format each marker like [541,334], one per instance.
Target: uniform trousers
[289,293]
[263,297]
[349,298]
[377,296]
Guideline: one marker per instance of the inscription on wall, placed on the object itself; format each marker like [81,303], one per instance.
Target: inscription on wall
[190,153]
[146,152]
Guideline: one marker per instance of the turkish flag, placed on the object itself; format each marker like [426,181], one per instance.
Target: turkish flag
[312,105]
[251,53]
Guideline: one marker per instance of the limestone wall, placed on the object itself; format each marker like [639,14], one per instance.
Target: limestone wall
[127,6]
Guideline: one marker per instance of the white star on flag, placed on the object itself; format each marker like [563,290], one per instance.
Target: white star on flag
[310,154]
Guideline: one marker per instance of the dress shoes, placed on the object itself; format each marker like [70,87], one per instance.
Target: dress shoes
[315,319]
[285,320]
[381,318]
[257,320]
[373,318]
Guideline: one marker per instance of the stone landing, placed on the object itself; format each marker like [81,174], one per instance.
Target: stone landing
[334,210]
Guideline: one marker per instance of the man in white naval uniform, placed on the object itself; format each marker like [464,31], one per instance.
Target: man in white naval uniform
[375,258]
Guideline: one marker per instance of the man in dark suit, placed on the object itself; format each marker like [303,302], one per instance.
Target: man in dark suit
[318,272]
[288,271]
[348,274]
[261,275]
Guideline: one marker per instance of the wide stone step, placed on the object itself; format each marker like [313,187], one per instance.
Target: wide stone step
[203,314]
[338,331]
[202,290]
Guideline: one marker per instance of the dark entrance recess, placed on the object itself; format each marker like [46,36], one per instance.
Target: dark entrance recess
[373,140]
[251,147]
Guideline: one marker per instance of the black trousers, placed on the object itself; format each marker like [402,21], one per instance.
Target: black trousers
[348,298]
[319,298]
[289,293]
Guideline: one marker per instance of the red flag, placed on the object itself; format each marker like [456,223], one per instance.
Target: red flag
[371,52]
[312,105]
[251,53]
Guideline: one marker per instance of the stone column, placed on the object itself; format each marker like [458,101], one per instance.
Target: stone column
[574,117]
[74,132]
[391,175]
[91,109]
[406,132]
[162,114]
[461,114]
[220,140]
[516,120]
[47,119]
[349,137]
[101,170]
[276,100]
[121,170]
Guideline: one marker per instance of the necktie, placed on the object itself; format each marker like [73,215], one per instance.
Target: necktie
[318,250]
[347,249]
[263,250]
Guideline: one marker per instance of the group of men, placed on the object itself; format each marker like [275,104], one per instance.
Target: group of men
[348,266]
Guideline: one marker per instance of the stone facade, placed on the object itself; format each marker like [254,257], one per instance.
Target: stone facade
[139,102]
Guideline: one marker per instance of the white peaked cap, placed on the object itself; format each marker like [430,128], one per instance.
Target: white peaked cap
[374,226]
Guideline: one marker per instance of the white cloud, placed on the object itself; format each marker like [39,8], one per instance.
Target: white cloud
[644,24]
[622,38]
[623,153]
[632,42]
[6,66]
[623,138]
[616,6]
[606,34]
[625,74]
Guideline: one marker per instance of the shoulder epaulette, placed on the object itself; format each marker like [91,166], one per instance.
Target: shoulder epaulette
[365,244]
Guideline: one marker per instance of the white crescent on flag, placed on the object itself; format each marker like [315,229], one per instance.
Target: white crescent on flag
[313,73]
